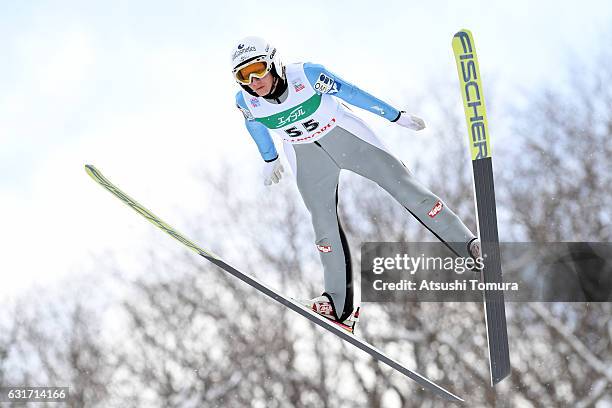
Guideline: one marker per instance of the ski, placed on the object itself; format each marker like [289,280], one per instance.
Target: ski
[479,139]
[263,288]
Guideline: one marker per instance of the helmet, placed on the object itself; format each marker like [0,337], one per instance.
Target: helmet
[255,49]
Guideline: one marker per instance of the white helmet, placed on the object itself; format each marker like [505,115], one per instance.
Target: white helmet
[255,49]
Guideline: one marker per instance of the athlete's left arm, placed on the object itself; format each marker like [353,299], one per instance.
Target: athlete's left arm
[324,81]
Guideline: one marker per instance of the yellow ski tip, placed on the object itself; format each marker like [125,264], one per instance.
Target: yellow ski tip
[89,168]
[463,30]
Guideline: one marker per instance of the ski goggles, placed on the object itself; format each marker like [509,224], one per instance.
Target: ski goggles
[257,69]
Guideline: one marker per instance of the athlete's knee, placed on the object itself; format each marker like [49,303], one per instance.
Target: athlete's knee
[420,199]
[432,206]
[428,199]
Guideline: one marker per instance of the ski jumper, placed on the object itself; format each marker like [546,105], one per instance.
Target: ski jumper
[320,138]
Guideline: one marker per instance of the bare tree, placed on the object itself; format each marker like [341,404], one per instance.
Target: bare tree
[55,341]
[558,191]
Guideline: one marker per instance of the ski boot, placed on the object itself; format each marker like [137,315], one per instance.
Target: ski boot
[324,307]
[475,251]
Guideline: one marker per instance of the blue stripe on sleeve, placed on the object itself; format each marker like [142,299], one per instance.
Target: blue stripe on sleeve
[259,133]
[347,91]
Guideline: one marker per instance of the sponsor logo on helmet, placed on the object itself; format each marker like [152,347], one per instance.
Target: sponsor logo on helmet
[436,209]
[254,102]
[326,84]
[242,50]
[324,248]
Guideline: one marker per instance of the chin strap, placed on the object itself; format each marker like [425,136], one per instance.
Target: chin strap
[278,88]
[272,88]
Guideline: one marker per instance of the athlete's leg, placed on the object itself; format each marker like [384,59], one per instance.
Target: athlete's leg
[366,156]
[317,179]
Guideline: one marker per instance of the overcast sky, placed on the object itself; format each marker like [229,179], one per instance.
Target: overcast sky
[143,90]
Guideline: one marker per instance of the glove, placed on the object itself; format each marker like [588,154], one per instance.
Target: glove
[272,172]
[409,121]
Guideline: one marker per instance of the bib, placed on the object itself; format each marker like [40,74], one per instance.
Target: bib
[304,117]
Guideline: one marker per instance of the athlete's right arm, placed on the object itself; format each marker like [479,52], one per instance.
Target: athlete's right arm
[259,133]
